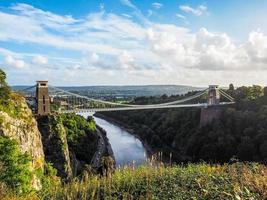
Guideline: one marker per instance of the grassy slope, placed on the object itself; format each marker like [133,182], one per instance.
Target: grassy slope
[194,181]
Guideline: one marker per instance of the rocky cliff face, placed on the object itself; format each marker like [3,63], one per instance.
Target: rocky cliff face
[55,145]
[23,128]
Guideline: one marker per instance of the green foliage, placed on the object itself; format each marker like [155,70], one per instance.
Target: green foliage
[49,178]
[4,89]
[10,102]
[2,76]
[240,132]
[231,87]
[265,91]
[54,107]
[192,181]
[14,166]
[81,135]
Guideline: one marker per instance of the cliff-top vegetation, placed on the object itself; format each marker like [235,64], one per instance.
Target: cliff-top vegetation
[193,181]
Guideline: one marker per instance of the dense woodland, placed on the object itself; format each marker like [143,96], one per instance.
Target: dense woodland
[239,134]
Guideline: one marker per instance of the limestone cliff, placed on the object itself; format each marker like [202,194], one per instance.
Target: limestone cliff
[55,145]
[17,122]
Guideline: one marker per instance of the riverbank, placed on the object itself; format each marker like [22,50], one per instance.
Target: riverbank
[123,126]
[103,149]
[108,151]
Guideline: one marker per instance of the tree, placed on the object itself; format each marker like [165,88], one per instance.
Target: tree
[15,166]
[265,91]
[263,151]
[4,89]
[246,149]
[255,92]
[2,78]
[231,87]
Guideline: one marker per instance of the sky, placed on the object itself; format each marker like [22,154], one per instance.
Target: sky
[134,42]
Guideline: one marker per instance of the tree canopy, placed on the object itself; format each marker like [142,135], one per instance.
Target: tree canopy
[240,132]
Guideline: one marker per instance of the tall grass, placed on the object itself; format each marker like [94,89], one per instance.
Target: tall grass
[192,181]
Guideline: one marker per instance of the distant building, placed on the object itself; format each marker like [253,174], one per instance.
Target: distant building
[60,103]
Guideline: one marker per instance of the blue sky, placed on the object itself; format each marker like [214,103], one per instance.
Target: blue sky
[125,42]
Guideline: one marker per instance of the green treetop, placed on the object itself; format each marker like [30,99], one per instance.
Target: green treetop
[4,88]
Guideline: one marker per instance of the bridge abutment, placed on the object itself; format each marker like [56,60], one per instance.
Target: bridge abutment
[213,110]
[209,114]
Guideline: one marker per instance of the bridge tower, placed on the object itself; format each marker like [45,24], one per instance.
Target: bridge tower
[213,95]
[42,98]
[213,111]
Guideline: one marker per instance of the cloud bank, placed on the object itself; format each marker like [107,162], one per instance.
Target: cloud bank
[116,49]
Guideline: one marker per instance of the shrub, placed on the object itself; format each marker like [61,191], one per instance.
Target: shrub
[15,166]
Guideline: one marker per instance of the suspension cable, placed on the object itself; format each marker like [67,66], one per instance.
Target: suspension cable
[131,105]
[28,88]
[226,95]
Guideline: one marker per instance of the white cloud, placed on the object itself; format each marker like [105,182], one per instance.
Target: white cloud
[44,17]
[126,15]
[198,11]
[126,60]
[128,3]
[39,60]
[156,5]
[12,62]
[181,16]
[256,47]
[137,12]
[6,52]
[94,57]
[128,51]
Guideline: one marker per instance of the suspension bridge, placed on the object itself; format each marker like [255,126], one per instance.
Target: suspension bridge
[46,99]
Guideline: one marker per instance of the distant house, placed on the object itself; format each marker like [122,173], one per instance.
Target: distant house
[60,103]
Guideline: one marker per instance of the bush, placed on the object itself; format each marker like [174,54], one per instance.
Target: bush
[15,166]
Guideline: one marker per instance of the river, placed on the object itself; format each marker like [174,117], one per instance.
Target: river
[126,147]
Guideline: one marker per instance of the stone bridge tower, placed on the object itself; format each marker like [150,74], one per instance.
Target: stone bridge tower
[213,95]
[42,98]
[213,111]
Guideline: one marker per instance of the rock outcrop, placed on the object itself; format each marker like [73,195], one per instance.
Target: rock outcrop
[55,145]
[23,128]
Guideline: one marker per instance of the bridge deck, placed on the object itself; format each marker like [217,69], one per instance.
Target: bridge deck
[200,105]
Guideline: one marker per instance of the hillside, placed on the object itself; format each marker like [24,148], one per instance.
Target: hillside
[239,133]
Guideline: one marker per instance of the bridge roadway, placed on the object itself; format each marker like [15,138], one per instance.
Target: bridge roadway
[200,105]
